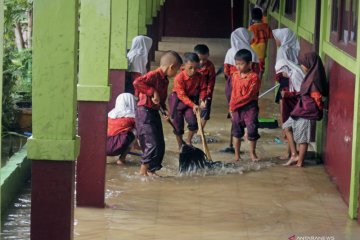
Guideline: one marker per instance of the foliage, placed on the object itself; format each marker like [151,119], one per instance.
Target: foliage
[17,61]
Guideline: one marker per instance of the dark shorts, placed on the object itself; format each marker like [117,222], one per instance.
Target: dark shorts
[246,117]
[117,145]
[180,111]
[151,137]
[205,113]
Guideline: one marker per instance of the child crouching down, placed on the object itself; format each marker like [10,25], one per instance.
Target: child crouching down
[189,91]
[244,107]
[121,127]
[152,89]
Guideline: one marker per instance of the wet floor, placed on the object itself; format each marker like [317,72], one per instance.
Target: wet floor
[252,201]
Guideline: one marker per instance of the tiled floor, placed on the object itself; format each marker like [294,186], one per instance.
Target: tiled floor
[263,201]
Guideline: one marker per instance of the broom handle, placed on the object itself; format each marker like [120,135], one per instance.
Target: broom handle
[269,90]
[205,146]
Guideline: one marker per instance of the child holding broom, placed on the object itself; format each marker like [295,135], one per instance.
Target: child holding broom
[152,89]
[188,96]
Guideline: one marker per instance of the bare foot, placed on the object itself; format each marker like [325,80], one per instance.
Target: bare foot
[293,160]
[120,162]
[299,164]
[237,159]
[144,169]
[254,157]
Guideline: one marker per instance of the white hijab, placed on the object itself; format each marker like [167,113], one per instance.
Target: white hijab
[125,107]
[138,54]
[240,39]
[290,46]
[295,73]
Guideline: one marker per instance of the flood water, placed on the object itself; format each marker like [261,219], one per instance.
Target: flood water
[251,201]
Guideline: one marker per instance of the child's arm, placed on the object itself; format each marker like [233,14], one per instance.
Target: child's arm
[179,87]
[144,84]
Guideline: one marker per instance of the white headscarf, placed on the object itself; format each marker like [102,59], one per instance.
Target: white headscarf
[290,46]
[138,54]
[125,107]
[240,39]
[295,73]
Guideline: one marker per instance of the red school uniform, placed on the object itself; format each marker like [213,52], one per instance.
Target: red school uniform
[209,75]
[244,89]
[120,125]
[147,84]
[188,88]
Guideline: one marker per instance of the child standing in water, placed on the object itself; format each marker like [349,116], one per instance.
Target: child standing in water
[244,107]
[121,127]
[240,39]
[262,33]
[138,59]
[207,69]
[189,94]
[298,126]
[152,89]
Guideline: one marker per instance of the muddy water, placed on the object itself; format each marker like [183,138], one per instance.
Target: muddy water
[250,201]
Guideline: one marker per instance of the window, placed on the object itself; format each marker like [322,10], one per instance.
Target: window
[290,9]
[344,25]
[275,4]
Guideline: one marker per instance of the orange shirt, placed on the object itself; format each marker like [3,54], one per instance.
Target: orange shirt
[262,33]
[189,87]
[120,125]
[244,89]
[147,84]
[209,74]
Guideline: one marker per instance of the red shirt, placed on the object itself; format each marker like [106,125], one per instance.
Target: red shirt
[120,125]
[147,84]
[245,89]
[189,87]
[209,74]
[262,33]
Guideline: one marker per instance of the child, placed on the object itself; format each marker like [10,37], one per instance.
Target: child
[244,103]
[189,88]
[295,76]
[121,127]
[138,59]
[262,33]
[298,126]
[152,89]
[207,69]
[240,39]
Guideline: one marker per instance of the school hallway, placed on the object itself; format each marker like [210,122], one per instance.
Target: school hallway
[259,201]
[61,185]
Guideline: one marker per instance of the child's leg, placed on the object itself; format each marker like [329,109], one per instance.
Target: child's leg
[253,155]
[178,122]
[237,131]
[303,147]
[237,145]
[252,124]
[148,125]
[205,113]
[292,145]
[192,124]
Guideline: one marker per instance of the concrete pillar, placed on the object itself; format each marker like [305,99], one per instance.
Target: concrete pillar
[133,21]
[118,48]
[54,145]
[93,96]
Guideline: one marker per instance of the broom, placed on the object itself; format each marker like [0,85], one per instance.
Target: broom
[191,159]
